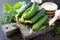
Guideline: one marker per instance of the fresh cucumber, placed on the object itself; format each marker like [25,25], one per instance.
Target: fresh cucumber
[33,10]
[22,19]
[39,23]
[21,10]
[36,17]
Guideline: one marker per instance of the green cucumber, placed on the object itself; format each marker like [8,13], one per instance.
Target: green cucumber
[22,19]
[36,17]
[26,11]
[33,10]
[21,10]
[39,23]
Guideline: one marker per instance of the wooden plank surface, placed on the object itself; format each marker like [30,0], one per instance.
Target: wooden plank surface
[9,29]
[2,35]
[25,31]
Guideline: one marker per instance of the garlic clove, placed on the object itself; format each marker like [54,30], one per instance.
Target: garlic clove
[38,1]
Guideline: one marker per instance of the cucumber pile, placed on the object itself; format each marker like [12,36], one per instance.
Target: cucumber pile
[32,14]
[29,13]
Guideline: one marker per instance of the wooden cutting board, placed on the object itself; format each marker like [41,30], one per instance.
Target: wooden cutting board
[25,31]
[9,29]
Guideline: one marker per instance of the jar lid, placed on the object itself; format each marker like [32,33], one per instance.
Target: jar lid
[49,6]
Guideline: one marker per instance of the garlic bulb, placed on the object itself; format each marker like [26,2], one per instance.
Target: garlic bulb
[38,1]
[56,17]
[57,14]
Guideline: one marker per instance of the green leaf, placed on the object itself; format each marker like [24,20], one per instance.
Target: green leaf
[8,6]
[7,18]
[1,22]
[10,12]
[17,5]
[57,30]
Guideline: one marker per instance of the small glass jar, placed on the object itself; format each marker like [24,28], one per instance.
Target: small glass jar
[50,8]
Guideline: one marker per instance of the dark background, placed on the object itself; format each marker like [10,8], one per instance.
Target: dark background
[18,36]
